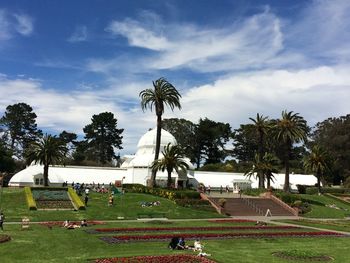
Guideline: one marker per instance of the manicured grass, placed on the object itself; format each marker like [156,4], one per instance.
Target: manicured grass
[41,244]
[340,225]
[320,210]
[127,206]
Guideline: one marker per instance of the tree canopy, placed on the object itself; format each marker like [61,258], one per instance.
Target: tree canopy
[102,137]
[19,127]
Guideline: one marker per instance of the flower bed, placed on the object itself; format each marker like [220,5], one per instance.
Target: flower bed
[190,236]
[54,204]
[4,238]
[231,221]
[156,259]
[60,223]
[52,198]
[207,228]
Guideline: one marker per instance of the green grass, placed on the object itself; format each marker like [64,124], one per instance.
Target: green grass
[340,225]
[40,244]
[127,206]
[320,210]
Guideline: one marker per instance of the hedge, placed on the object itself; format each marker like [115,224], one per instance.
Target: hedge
[162,192]
[330,190]
[76,200]
[29,197]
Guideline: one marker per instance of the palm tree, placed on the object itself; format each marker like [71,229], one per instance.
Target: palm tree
[173,158]
[266,166]
[290,129]
[261,126]
[46,151]
[164,93]
[317,162]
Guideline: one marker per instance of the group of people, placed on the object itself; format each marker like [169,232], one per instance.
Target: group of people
[72,225]
[179,244]
[149,204]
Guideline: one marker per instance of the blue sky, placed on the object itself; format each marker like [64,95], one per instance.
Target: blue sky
[229,59]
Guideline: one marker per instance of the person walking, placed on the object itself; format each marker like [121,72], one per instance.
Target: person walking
[86,199]
[2,219]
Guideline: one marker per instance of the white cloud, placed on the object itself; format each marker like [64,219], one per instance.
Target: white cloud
[24,24]
[80,34]
[72,110]
[322,29]
[316,93]
[14,23]
[248,43]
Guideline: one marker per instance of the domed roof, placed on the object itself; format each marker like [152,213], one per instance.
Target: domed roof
[149,139]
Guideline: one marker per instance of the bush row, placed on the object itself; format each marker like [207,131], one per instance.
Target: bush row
[76,200]
[29,197]
[166,193]
[330,190]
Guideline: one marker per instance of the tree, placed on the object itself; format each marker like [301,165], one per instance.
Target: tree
[184,131]
[267,165]
[46,151]
[290,129]
[261,126]
[7,164]
[317,162]
[173,159]
[19,126]
[333,136]
[210,140]
[68,139]
[163,93]
[102,137]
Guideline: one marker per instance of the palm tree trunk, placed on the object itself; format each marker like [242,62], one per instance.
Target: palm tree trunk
[169,179]
[268,181]
[152,182]
[46,175]
[318,175]
[286,163]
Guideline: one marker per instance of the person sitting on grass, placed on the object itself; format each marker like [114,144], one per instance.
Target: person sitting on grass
[173,243]
[83,223]
[181,244]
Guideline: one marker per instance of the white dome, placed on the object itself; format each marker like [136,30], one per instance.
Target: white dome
[149,139]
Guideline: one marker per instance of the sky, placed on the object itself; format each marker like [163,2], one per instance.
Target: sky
[229,59]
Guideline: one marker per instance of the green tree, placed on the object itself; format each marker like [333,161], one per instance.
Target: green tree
[163,93]
[19,126]
[333,136]
[102,137]
[173,159]
[267,165]
[290,129]
[317,162]
[46,151]
[184,131]
[261,125]
[7,163]
[210,140]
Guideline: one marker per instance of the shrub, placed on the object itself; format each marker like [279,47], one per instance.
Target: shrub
[288,198]
[75,199]
[329,190]
[29,198]
[254,191]
[302,188]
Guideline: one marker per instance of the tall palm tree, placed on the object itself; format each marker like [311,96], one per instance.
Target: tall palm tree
[290,129]
[317,162]
[164,93]
[266,166]
[46,151]
[261,126]
[173,159]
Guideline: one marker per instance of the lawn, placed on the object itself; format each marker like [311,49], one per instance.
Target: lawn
[127,206]
[339,225]
[42,244]
[321,207]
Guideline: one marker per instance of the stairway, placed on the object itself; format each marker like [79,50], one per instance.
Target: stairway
[239,207]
